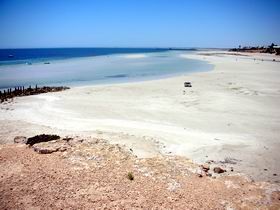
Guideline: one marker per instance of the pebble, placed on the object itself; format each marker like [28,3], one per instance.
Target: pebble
[219,170]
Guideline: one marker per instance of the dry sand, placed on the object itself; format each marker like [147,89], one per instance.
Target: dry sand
[231,114]
[92,174]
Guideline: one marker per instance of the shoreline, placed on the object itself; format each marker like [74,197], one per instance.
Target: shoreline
[156,117]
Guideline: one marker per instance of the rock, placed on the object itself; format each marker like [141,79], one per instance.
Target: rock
[229,160]
[41,138]
[43,150]
[20,140]
[50,147]
[199,175]
[76,140]
[67,139]
[208,174]
[219,170]
[205,167]
[210,161]
[199,172]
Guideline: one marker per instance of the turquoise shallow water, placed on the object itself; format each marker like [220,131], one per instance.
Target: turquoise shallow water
[104,69]
[37,55]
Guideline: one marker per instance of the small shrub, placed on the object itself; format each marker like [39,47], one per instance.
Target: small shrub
[130,176]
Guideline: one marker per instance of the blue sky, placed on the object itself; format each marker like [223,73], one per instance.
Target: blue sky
[138,23]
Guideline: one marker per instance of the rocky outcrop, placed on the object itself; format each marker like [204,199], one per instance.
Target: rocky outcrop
[41,138]
[93,174]
[50,147]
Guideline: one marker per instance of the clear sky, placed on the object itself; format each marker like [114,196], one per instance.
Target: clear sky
[138,23]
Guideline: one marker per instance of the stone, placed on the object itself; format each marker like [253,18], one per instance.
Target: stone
[210,161]
[20,140]
[50,147]
[208,174]
[43,150]
[205,167]
[41,138]
[219,170]
[67,139]
[199,172]
[199,175]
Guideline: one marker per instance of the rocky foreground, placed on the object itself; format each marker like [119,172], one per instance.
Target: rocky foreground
[88,173]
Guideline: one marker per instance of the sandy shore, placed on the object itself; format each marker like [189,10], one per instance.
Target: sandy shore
[231,115]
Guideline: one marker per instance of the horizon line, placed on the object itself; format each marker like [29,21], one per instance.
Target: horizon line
[135,47]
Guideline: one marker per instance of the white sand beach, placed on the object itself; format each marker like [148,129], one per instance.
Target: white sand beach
[230,114]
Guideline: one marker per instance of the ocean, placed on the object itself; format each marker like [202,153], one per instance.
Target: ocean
[25,56]
[89,66]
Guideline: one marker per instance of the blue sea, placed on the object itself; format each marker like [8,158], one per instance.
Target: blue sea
[89,66]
